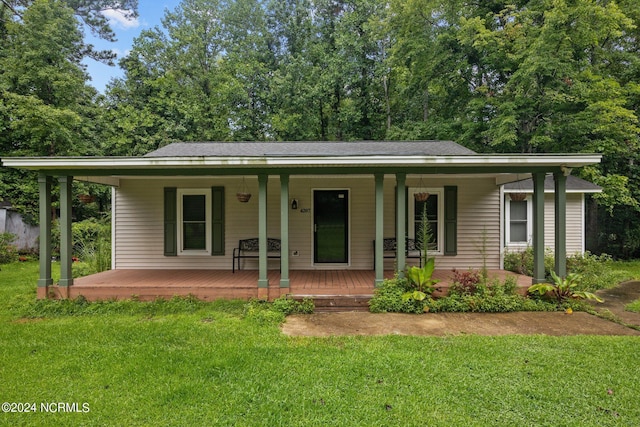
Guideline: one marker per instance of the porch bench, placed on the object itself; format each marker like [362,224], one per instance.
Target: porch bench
[249,249]
[390,247]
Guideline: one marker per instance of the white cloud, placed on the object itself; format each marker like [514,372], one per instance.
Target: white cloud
[117,19]
[120,52]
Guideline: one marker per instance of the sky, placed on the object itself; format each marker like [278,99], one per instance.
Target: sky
[150,13]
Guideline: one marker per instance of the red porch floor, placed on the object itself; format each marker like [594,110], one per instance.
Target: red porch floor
[214,284]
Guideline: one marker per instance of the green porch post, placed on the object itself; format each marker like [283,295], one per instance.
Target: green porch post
[378,250]
[66,277]
[44,185]
[560,205]
[538,228]
[284,231]
[401,221]
[263,280]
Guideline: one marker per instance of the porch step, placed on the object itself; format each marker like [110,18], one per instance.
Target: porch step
[336,303]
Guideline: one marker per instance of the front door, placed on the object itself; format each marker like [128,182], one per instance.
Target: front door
[330,231]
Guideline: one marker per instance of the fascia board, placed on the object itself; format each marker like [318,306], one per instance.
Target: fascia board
[71,163]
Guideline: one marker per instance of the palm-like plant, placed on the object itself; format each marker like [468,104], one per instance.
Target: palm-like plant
[421,279]
[563,289]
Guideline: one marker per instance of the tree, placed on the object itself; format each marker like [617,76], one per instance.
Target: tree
[90,12]
[45,103]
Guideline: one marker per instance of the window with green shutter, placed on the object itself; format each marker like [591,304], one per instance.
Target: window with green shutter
[194,221]
[442,213]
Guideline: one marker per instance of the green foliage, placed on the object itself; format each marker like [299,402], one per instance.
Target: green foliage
[266,312]
[421,281]
[595,270]
[495,297]
[8,252]
[46,106]
[424,236]
[47,308]
[389,298]
[92,244]
[563,288]
[487,303]
[480,297]
[633,306]
[465,282]
[479,73]
[140,362]
[521,262]
[287,305]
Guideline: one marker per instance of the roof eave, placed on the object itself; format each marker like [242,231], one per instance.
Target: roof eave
[82,163]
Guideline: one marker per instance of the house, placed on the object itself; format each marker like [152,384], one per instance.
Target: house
[518,213]
[330,204]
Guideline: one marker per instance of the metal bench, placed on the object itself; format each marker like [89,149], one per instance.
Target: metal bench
[249,248]
[390,247]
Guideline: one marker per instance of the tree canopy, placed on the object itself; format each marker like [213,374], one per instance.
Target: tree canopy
[525,76]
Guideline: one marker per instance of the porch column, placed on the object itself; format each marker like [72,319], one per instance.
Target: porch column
[560,205]
[538,228]
[284,231]
[401,223]
[44,185]
[263,280]
[378,249]
[66,247]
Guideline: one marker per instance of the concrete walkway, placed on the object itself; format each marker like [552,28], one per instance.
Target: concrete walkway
[442,324]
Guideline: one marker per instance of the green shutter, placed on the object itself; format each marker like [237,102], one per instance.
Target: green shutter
[170,222]
[450,220]
[217,221]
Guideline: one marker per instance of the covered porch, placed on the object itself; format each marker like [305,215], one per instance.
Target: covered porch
[146,284]
[152,188]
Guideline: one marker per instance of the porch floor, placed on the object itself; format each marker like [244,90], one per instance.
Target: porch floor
[214,284]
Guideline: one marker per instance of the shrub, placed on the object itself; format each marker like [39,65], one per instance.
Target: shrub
[593,268]
[89,232]
[488,303]
[563,289]
[92,244]
[421,281]
[596,271]
[388,298]
[276,312]
[521,262]
[464,282]
[8,252]
[287,305]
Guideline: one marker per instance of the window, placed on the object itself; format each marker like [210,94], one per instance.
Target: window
[194,225]
[434,209]
[517,219]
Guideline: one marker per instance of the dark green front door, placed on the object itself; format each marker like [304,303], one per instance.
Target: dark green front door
[331,219]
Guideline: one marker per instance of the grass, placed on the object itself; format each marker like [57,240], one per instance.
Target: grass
[633,306]
[189,363]
[629,268]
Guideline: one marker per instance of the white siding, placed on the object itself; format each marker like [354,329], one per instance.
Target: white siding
[139,220]
[478,221]
[575,223]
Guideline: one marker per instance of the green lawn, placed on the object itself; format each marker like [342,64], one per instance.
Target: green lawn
[633,306]
[209,364]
